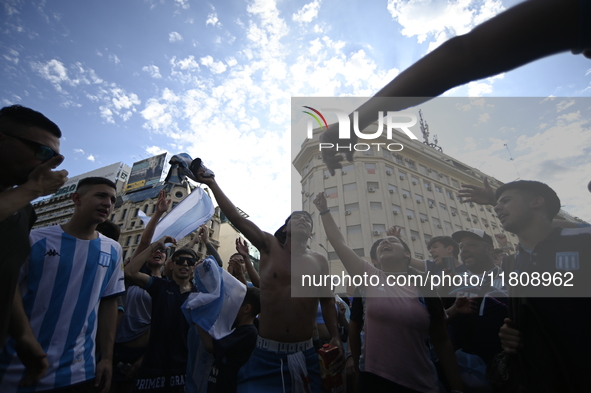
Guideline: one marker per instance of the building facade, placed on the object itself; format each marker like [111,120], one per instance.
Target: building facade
[415,189]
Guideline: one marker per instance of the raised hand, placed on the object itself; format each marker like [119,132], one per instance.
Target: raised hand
[162,203]
[394,231]
[43,180]
[320,202]
[481,195]
[242,247]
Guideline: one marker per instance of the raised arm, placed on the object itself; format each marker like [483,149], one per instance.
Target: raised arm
[418,264]
[242,248]
[351,261]
[509,40]
[203,235]
[253,233]
[132,270]
[161,207]
[43,180]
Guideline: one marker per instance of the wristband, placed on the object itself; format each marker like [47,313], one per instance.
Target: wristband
[324,212]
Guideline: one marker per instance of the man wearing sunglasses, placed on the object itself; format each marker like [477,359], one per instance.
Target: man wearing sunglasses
[165,362]
[29,152]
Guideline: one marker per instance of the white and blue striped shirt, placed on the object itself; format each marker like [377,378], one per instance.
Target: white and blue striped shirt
[62,284]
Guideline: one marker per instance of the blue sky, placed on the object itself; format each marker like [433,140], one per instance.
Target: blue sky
[129,79]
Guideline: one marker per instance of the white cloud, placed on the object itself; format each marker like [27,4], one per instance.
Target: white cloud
[12,56]
[212,19]
[562,105]
[80,151]
[217,67]
[155,150]
[184,4]
[439,20]
[90,158]
[174,37]
[113,57]
[185,64]
[153,70]
[53,71]
[308,12]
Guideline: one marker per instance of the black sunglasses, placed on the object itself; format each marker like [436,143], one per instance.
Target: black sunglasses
[181,261]
[41,152]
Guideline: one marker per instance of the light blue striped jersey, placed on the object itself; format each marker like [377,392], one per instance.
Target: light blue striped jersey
[62,284]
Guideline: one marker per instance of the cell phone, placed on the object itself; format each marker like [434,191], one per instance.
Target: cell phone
[449,263]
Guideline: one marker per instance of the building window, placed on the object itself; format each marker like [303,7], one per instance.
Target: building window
[399,159]
[454,211]
[405,192]
[332,256]
[349,187]
[137,212]
[178,194]
[331,193]
[411,165]
[392,189]
[352,206]
[442,206]
[137,239]
[154,208]
[174,204]
[455,183]
[436,221]
[410,214]
[123,214]
[396,210]
[112,217]
[132,224]
[431,202]
[352,229]
[402,175]
[359,251]
[375,205]
[423,217]
[128,241]
[427,238]
[419,198]
[370,168]
[381,228]
[124,254]
[423,169]
[386,153]
[437,188]
[373,184]
[414,235]
[369,153]
[447,226]
[449,193]
[414,180]
[427,185]
[349,168]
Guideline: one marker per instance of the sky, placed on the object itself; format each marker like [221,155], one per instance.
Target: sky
[126,80]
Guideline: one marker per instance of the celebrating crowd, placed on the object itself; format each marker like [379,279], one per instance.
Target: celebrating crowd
[75,318]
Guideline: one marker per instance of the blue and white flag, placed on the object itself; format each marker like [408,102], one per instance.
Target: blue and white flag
[195,210]
[216,305]
[145,219]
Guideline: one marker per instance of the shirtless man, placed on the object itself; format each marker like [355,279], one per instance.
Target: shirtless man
[285,322]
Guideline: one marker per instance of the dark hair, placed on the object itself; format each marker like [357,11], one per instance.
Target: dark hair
[23,116]
[92,181]
[534,189]
[109,229]
[374,247]
[236,253]
[253,297]
[280,234]
[446,241]
[184,250]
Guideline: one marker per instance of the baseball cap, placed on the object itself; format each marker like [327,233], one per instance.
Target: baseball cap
[473,232]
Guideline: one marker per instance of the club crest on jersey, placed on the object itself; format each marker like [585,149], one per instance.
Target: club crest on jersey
[567,260]
[104,259]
